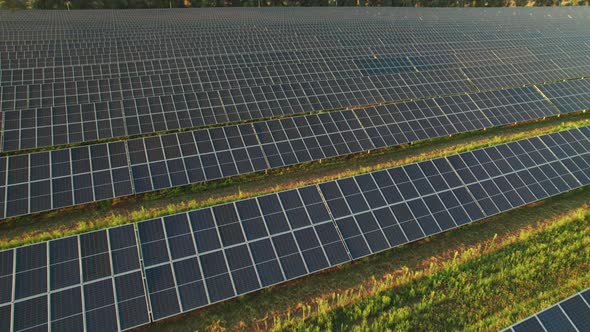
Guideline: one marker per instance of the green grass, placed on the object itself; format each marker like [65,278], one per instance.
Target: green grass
[55,224]
[483,276]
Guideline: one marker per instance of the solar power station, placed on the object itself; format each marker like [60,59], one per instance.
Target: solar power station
[97,105]
[58,89]
[193,259]
[571,314]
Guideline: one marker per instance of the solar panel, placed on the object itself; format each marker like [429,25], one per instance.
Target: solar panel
[568,96]
[88,282]
[52,179]
[571,314]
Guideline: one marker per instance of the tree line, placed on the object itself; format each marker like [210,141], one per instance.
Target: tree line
[128,4]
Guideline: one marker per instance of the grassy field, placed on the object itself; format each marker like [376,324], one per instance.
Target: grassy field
[484,276]
[30,229]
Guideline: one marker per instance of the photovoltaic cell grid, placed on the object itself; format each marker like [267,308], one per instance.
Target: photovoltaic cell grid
[49,180]
[571,314]
[196,258]
[232,75]
[89,282]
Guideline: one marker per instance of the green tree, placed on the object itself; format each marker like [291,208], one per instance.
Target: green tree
[49,4]
[13,4]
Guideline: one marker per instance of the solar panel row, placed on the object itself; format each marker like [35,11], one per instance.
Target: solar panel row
[246,40]
[246,50]
[127,85]
[148,115]
[43,181]
[159,77]
[498,76]
[568,96]
[60,178]
[278,64]
[165,106]
[249,39]
[192,259]
[571,314]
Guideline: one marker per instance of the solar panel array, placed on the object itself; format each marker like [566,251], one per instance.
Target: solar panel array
[192,259]
[48,180]
[80,78]
[83,78]
[151,71]
[571,314]
[91,173]
[109,119]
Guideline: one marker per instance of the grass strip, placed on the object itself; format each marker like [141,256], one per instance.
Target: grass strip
[54,224]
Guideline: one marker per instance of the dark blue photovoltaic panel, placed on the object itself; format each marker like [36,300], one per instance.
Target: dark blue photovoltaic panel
[571,314]
[30,313]
[31,271]
[66,304]
[79,288]
[529,325]
[578,311]
[553,319]
[5,316]
[6,273]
